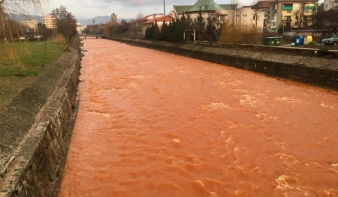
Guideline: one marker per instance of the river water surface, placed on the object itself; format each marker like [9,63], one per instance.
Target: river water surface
[153,124]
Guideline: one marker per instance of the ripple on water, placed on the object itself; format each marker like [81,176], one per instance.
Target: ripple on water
[156,124]
[248,100]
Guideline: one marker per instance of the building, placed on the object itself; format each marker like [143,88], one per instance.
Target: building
[218,12]
[94,28]
[139,25]
[113,18]
[79,28]
[251,18]
[158,20]
[330,4]
[263,7]
[49,21]
[29,25]
[291,14]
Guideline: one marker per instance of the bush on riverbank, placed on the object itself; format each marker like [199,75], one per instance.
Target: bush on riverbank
[239,34]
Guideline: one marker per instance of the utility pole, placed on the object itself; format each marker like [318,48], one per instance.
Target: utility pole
[163,7]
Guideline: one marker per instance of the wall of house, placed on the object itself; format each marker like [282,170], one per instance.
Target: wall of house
[220,15]
[330,4]
[248,18]
[33,166]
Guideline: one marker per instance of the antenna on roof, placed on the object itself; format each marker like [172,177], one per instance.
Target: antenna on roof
[163,7]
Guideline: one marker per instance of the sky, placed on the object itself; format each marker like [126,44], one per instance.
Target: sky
[126,9]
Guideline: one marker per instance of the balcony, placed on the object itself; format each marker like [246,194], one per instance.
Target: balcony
[286,20]
[308,19]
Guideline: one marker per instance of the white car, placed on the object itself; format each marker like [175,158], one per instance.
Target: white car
[330,41]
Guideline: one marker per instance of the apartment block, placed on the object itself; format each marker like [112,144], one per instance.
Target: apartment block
[49,21]
[292,14]
[31,25]
[330,4]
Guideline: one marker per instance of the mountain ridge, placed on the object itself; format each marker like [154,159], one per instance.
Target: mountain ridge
[98,19]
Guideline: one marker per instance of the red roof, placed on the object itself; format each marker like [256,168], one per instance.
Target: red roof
[160,19]
[141,19]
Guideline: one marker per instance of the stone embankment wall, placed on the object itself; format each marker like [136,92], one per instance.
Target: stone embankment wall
[35,130]
[312,66]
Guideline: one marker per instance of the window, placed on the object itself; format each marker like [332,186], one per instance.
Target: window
[253,17]
[287,6]
[307,11]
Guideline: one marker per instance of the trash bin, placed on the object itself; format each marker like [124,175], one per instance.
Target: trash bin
[307,40]
[299,41]
[272,41]
[278,41]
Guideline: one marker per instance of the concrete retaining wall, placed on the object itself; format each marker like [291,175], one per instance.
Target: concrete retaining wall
[33,159]
[303,65]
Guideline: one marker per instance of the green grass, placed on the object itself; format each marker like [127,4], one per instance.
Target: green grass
[28,58]
[21,64]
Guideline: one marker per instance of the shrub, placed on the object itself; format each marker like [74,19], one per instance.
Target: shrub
[59,39]
[231,33]
[313,43]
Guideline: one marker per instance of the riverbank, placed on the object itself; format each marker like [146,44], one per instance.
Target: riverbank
[35,129]
[312,66]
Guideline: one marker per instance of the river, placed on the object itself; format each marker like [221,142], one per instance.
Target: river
[161,125]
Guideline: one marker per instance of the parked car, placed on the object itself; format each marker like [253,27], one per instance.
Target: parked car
[22,38]
[330,41]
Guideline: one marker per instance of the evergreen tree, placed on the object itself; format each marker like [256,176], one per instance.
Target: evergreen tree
[149,33]
[200,24]
[156,31]
[164,31]
[170,31]
[209,30]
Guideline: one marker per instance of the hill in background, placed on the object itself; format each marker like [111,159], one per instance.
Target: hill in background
[19,17]
[98,19]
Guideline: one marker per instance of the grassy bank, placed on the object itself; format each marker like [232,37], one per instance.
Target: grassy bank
[21,64]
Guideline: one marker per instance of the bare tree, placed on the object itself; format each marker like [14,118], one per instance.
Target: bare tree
[327,20]
[256,13]
[139,16]
[19,7]
[65,21]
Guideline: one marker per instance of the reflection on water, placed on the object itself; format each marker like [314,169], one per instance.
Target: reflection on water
[157,124]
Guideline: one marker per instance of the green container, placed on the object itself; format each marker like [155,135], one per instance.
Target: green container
[272,41]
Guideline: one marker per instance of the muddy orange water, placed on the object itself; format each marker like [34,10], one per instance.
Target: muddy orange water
[157,124]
